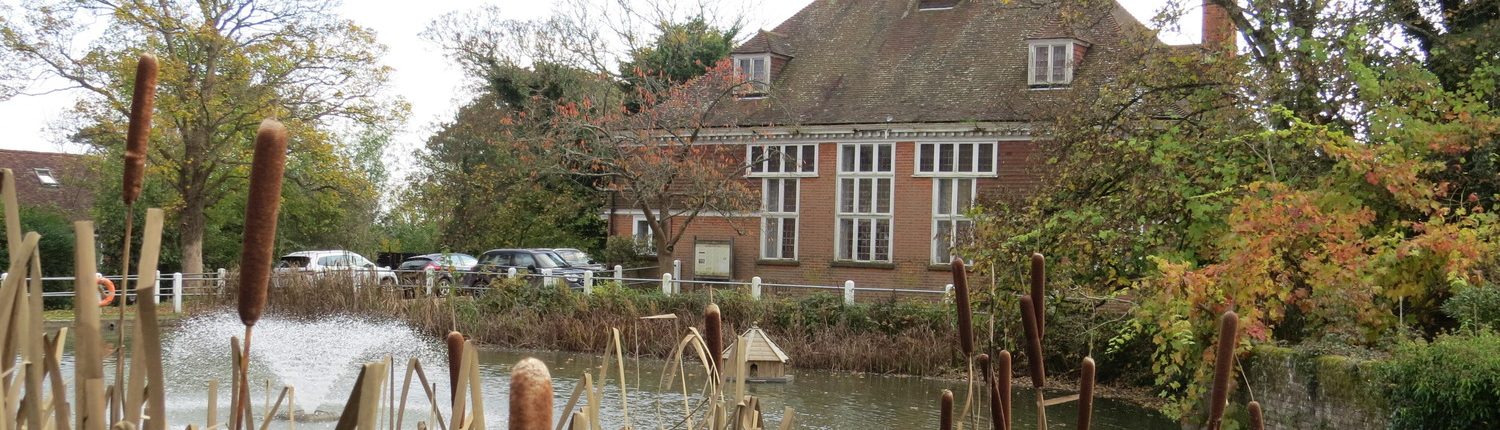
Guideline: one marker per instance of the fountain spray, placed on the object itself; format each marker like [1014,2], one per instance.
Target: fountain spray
[260,237]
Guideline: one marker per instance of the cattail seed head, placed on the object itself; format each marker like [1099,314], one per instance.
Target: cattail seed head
[1033,343]
[945,422]
[961,298]
[1039,292]
[141,105]
[1223,367]
[713,328]
[1257,420]
[982,361]
[1086,394]
[530,396]
[455,341]
[261,209]
[1002,382]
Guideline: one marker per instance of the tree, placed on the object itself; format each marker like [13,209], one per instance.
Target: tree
[226,64]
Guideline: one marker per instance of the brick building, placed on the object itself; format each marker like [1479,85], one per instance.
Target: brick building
[876,125]
[51,180]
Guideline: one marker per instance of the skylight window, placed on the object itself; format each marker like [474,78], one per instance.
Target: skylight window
[936,4]
[45,176]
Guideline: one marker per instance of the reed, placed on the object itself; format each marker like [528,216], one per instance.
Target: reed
[89,344]
[1039,293]
[141,105]
[256,253]
[1002,380]
[455,341]
[982,361]
[1223,368]
[713,332]
[1033,343]
[1257,420]
[530,396]
[1086,394]
[945,405]
[965,315]
[997,410]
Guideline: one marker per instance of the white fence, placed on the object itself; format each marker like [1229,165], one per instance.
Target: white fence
[430,282]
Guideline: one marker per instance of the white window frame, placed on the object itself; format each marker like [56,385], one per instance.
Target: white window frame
[778,214]
[645,240]
[874,175]
[974,156]
[953,216]
[760,83]
[1069,48]
[765,163]
[46,177]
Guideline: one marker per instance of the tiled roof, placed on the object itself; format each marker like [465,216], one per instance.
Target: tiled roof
[759,347]
[880,61]
[71,194]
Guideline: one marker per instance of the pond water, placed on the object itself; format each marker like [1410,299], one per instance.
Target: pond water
[321,359]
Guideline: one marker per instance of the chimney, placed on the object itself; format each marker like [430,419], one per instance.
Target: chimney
[1218,30]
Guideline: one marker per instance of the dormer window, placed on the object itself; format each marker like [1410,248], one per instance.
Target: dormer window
[936,4]
[1051,62]
[755,69]
[45,176]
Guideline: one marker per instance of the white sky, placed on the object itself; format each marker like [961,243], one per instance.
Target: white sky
[434,87]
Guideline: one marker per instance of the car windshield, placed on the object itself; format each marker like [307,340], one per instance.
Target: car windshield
[573,256]
[414,264]
[290,262]
[549,260]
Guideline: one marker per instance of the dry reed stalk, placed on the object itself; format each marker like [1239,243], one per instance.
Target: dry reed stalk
[455,341]
[1038,292]
[89,344]
[1223,368]
[1034,357]
[789,415]
[530,396]
[1257,420]
[213,404]
[1086,394]
[580,421]
[713,331]
[54,345]
[148,336]
[236,384]
[1002,381]
[945,408]
[965,316]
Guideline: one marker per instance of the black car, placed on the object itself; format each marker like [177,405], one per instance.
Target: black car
[497,262]
[446,268]
[576,258]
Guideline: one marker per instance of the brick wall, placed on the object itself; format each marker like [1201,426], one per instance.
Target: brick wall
[910,266]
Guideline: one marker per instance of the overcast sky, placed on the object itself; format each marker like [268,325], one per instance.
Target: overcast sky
[422,76]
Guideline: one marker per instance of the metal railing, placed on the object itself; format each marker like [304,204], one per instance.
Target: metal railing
[173,285]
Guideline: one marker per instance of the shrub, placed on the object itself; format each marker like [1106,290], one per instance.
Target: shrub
[1475,308]
[1451,383]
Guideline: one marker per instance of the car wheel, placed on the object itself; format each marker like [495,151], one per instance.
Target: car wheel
[441,287]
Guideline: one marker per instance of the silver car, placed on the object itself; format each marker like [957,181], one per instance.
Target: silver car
[336,262]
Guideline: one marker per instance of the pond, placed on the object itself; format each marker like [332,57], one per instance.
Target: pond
[321,359]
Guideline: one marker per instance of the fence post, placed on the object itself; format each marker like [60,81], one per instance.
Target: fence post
[510,273]
[588,282]
[849,292]
[428,277]
[755,287]
[666,283]
[223,277]
[177,293]
[620,274]
[155,292]
[677,276]
[547,277]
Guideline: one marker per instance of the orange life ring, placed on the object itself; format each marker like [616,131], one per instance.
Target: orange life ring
[109,290]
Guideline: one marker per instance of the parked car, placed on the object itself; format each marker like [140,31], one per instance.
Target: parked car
[446,268]
[497,262]
[577,258]
[331,262]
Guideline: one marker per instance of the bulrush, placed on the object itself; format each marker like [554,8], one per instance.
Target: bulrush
[997,409]
[1086,394]
[530,396]
[1257,420]
[713,328]
[260,220]
[961,297]
[455,342]
[945,422]
[1033,343]
[1223,367]
[140,127]
[982,361]
[1038,292]
[1002,381]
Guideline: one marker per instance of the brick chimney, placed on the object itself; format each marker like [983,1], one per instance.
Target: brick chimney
[1218,30]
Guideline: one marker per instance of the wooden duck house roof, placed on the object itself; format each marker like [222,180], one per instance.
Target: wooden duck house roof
[759,347]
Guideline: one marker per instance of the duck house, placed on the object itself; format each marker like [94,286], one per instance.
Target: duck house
[764,361]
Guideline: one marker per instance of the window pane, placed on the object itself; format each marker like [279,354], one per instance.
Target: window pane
[944,196]
[788,195]
[966,157]
[863,203]
[789,153]
[846,195]
[987,157]
[862,239]
[965,190]
[883,196]
[761,74]
[846,239]
[866,158]
[809,158]
[772,190]
[924,157]
[773,159]
[945,157]
[940,241]
[789,238]
[756,163]
[848,158]
[1039,66]
[744,68]
[1059,63]
[885,158]
[882,240]
[770,236]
